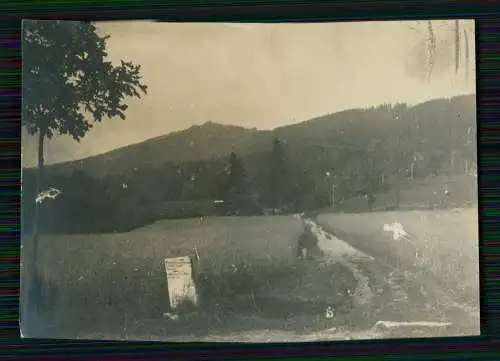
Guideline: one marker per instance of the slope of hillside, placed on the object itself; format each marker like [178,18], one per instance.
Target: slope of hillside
[441,122]
[448,122]
[196,143]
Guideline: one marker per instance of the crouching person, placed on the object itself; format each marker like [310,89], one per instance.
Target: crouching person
[307,241]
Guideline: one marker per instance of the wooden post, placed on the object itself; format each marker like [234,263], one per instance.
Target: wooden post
[333,197]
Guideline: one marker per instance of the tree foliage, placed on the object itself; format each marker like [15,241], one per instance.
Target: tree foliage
[67,81]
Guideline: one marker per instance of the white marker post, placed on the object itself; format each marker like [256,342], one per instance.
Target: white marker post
[180,281]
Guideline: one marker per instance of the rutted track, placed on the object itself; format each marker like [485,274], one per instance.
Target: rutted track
[334,250]
[384,293]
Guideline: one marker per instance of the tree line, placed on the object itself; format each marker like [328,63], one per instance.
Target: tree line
[296,173]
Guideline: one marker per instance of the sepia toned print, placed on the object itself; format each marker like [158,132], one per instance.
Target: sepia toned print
[249,182]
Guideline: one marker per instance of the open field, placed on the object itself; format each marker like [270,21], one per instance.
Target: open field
[420,194]
[93,278]
[220,243]
[114,284]
[443,243]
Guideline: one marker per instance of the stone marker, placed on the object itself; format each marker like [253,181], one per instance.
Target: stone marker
[180,282]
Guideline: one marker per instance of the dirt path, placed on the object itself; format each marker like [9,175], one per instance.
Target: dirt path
[396,298]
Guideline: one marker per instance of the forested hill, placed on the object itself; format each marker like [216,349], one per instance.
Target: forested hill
[437,121]
[200,142]
[291,167]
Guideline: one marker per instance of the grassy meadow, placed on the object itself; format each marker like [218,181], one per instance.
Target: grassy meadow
[92,280]
[446,242]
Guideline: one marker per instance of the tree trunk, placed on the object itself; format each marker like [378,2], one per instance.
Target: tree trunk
[39,184]
[457,45]
[35,279]
[466,51]
[31,288]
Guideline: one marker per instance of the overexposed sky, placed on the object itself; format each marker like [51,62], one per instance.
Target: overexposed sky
[265,75]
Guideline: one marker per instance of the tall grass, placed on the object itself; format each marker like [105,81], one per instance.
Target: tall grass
[91,281]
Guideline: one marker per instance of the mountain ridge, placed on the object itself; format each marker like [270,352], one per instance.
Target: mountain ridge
[212,140]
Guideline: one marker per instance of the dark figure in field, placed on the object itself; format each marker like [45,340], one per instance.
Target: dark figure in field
[370,199]
[307,242]
[446,196]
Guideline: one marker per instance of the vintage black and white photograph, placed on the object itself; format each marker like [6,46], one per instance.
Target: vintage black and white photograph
[247,182]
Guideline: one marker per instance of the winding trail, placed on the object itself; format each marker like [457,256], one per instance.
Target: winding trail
[393,299]
[335,250]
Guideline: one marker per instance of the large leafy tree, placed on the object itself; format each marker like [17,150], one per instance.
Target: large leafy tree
[68,84]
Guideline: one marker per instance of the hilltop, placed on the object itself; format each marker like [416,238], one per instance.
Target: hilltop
[200,142]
